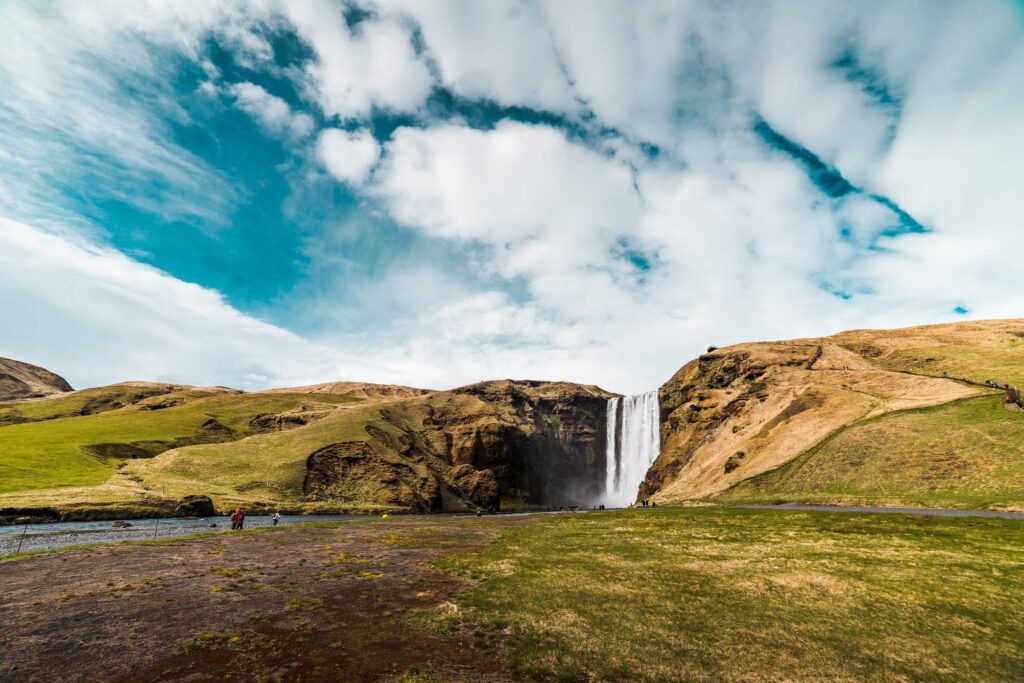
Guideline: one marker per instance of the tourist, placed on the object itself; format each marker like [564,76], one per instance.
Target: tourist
[241,518]
[235,516]
[277,518]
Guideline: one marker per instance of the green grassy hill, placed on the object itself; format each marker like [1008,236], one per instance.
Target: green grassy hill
[968,453]
[258,469]
[97,400]
[83,450]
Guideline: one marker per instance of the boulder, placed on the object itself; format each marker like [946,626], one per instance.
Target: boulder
[195,506]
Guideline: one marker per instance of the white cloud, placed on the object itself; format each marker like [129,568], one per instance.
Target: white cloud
[348,156]
[375,66]
[524,188]
[500,50]
[273,114]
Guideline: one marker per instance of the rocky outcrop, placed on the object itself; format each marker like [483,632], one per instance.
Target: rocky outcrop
[479,486]
[356,471]
[20,380]
[269,422]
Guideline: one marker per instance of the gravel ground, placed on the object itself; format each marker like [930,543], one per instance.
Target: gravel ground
[299,603]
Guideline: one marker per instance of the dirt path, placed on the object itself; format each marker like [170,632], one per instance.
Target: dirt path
[929,512]
[293,604]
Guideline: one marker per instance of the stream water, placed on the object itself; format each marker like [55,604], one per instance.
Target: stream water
[60,534]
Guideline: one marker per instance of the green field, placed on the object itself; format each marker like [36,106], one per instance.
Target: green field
[679,594]
[63,452]
[968,453]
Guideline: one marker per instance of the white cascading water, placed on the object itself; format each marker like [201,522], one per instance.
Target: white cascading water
[634,442]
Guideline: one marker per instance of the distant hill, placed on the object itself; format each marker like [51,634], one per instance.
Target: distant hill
[364,390]
[20,380]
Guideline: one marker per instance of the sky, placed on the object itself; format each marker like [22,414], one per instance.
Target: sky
[436,192]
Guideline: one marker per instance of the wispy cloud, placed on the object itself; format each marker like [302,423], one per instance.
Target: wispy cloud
[272,113]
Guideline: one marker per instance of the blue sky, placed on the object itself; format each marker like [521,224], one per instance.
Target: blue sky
[432,193]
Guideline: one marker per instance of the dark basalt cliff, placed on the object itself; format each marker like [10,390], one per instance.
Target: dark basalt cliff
[544,441]
[539,443]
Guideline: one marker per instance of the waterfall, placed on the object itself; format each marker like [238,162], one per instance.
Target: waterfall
[634,441]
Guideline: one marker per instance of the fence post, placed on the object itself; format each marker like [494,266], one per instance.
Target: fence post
[23,532]
[156,527]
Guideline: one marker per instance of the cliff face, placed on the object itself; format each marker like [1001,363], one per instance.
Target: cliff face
[544,441]
[739,411]
[524,441]
[20,380]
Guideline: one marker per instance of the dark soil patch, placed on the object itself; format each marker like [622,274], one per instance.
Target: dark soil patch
[289,604]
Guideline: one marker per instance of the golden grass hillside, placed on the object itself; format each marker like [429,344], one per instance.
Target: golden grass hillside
[738,412]
[963,454]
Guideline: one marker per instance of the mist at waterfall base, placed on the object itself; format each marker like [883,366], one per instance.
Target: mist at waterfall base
[634,442]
